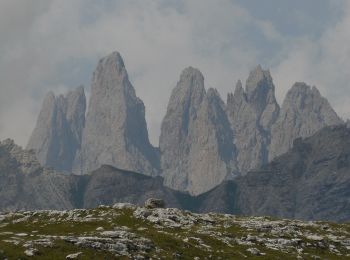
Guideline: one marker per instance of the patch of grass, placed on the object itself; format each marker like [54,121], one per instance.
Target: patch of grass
[59,251]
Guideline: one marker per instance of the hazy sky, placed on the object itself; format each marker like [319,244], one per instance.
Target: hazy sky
[55,45]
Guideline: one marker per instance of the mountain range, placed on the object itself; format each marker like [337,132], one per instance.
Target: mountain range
[203,140]
[248,155]
[311,182]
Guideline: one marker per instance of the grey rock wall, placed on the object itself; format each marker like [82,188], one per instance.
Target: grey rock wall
[58,132]
[115,132]
[196,146]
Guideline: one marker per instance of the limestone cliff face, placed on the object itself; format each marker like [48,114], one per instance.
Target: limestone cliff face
[196,146]
[115,132]
[25,184]
[57,135]
[252,112]
[304,111]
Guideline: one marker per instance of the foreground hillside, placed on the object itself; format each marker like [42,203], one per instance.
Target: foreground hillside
[127,231]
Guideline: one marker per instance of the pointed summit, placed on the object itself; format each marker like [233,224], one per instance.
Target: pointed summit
[251,114]
[192,76]
[57,135]
[116,132]
[196,139]
[258,78]
[239,91]
[183,104]
[304,111]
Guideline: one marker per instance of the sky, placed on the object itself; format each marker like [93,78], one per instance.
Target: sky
[54,45]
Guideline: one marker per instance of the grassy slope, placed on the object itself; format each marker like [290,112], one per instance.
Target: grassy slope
[169,243]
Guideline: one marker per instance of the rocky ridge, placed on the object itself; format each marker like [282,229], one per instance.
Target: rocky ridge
[304,111]
[125,230]
[203,141]
[310,181]
[25,184]
[58,132]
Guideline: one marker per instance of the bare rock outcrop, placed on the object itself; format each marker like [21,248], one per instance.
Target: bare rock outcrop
[196,146]
[304,111]
[252,111]
[311,181]
[115,132]
[25,184]
[57,135]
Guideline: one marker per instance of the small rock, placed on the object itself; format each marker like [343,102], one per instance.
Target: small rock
[315,238]
[30,252]
[154,203]
[99,229]
[21,234]
[254,251]
[123,206]
[73,256]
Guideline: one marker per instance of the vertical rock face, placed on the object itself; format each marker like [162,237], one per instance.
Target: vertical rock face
[116,132]
[196,140]
[304,111]
[57,135]
[251,113]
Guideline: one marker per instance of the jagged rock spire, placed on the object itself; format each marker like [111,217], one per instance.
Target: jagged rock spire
[304,111]
[57,135]
[252,112]
[116,132]
[196,140]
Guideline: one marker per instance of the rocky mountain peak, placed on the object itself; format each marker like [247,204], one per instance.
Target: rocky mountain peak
[260,92]
[301,90]
[184,103]
[116,132]
[57,135]
[190,88]
[8,144]
[25,159]
[113,61]
[251,113]
[239,91]
[236,100]
[193,77]
[304,111]
[258,80]
[213,95]
[195,141]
